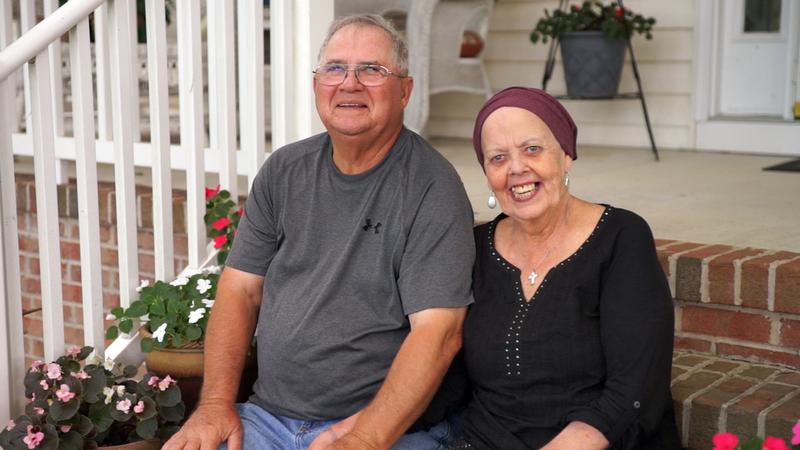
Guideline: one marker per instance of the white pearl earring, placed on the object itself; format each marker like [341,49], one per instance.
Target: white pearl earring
[566,180]
[492,202]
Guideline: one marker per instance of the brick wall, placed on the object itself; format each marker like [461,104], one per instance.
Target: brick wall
[70,254]
[735,302]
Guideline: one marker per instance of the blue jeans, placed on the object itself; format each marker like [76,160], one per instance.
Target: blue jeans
[263,430]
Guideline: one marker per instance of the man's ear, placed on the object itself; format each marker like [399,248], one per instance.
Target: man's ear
[407,85]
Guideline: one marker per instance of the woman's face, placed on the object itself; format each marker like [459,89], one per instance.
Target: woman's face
[524,163]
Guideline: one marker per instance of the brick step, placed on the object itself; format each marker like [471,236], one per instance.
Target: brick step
[712,394]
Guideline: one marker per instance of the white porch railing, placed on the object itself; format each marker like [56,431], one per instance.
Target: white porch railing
[108,133]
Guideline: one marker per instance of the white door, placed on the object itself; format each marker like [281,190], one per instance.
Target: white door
[757,73]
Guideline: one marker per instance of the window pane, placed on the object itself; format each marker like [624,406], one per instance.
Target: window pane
[762,16]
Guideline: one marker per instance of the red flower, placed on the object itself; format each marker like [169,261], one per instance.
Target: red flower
[221,223]
[725,441]
[210,193]
[241,212]
[220,240]
[576,8]
[619,11]
[773,443]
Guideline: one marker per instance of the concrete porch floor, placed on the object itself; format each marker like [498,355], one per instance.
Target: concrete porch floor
[709,198]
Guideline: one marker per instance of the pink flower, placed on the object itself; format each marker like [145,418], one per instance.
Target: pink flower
[64,394]
[139,408]
[44,385]
[241,212]
[221,223]
[153,381]
[773,443]
[619,12]
[54,371]
[211,193]
[124,405]
[11,425]
[37,365]
[220,240]
[796,433]
[38,410]
[81,375]
[164,384]
[33,438]
[725,441]
[73,351]
[65,428]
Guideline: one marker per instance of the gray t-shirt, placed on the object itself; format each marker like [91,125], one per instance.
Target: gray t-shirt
[346,258]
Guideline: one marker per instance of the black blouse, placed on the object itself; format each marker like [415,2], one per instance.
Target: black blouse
[593,344]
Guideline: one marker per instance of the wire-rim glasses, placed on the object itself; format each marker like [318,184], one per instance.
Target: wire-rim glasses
[366,74]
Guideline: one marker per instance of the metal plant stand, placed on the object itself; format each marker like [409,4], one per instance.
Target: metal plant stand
[550,65]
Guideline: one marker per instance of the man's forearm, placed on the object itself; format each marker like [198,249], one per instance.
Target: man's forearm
[230,330]
[411,383]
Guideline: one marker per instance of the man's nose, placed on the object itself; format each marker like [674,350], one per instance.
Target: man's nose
[350,81]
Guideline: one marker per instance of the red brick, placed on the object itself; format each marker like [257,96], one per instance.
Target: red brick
[704,418]
[28,244]
[787,287]
[108,257]
[665,253]
[755,273]
[789,378]
[31,285]
[743,414]
[33,266]
[106,235]
[146,241]
[721,275]
[663,242]
[688,360]
[790,333]
[73,335]
[110,279]
[720,322]
[687,343]
[75,273]
[34,347]
[147,264]
[30,302]
[180,245]
[697,381]
[110,300]
[70,251]
[676,372]
[782,419]
[71,292]
[32,324]
[689,271]
[757,354]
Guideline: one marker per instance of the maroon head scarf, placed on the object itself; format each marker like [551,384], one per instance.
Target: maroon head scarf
[538,102]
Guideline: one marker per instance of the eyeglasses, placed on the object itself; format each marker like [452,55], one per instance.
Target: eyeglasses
[366,74]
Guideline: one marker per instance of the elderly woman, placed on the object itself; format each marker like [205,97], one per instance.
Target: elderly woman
[569,341]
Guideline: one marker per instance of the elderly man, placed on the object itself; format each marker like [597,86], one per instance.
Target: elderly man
[354,258]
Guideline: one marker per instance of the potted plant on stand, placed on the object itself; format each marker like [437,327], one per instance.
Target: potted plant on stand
[173,316]
[592,37]
[74,406]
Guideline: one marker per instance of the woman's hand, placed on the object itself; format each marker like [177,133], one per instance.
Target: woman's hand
[578,436]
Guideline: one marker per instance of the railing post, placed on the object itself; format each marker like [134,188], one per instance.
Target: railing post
[86,169]
[190,87]
[104,122]
[251,84]
[12,344]
[125,187]
[159,138]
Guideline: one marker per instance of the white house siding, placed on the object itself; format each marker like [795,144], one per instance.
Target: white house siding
[665,66]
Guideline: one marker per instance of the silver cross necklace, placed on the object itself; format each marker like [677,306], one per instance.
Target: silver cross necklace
[534,274]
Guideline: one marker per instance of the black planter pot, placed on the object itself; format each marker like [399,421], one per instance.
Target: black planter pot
[592,63]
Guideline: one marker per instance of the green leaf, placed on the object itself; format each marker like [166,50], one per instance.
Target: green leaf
[146,429]
[173,413]
[129,371]
[112,332]
[100,415]
[117,312]
[126,326]
[93,386]
[157,309]
[166,432]
[120,416]
[147,344]
[176,340]
[193,332]
[137,309]
[64,411]
[85,352]
[73,365]
[71,440]
[85,425]
[149,408]
[170,397]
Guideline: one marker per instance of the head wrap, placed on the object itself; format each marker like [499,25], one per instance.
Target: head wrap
[537,101]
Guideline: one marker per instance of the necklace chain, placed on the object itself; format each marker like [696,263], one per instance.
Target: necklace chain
[534,274]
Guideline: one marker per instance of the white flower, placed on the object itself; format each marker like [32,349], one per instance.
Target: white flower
[109,364]
[109,393]
[120,390]
[180,281]
[203,285]
[142,285]
[111,317]
[196,315]
[190,272]
[145,318]
[94,360]
[159,333]
[208,303]
[213,269]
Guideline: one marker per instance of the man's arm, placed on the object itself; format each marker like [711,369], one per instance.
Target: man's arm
[415,374]
[215,420]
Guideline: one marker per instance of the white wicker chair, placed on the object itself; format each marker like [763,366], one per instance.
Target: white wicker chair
[434,30]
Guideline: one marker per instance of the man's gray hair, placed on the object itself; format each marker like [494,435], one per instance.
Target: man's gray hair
[399,47]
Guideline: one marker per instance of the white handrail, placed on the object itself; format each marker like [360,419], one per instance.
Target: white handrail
[44,33]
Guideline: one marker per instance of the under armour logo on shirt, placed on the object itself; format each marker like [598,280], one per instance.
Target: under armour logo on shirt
[369,226]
